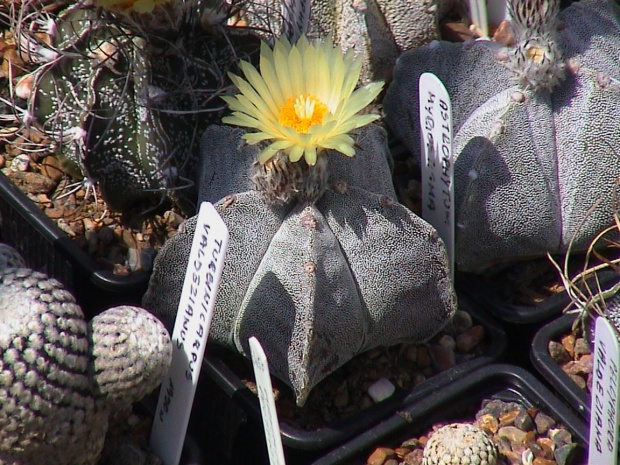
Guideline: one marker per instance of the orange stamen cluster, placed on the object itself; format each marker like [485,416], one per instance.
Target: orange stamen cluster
[302,112]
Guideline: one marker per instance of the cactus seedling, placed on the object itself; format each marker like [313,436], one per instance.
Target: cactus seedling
[535,130]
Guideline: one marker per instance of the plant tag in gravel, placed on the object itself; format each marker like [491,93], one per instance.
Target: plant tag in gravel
[189,337]
[437,166]
[267,403]
[604,413]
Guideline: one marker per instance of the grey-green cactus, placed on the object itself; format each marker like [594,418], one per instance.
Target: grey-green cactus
[61,378]
[125,105]
[377,30]
[536,130]
[316,281]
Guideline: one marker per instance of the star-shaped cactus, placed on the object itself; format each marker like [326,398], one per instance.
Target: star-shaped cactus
[316,281]
[536,130]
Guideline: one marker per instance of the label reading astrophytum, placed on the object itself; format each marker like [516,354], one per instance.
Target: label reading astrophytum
[437,160]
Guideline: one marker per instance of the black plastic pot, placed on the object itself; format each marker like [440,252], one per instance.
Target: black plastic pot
[456,402]
[230,420]
[48,249]
[486,294]
[578,398]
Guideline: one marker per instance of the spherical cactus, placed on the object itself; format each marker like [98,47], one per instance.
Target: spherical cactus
[460,444]
[536,130]
[316,281]
[59,385]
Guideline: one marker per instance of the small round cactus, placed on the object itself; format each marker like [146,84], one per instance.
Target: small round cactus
[460,444]
[60,377]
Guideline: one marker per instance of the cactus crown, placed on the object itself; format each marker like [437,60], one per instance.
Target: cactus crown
[537,59]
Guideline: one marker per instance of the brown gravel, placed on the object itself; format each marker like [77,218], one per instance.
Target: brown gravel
[573,355]
[345,392]
[522,435]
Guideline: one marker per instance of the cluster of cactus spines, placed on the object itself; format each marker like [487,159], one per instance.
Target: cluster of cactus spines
[61,379]
[320,281]
[10,258]
[126,95]
[460,444]
[534,170]
[537,59]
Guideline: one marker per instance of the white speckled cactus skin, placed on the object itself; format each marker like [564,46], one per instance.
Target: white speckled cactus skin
[530,163]
[378,30]
[61,378]
[316,283]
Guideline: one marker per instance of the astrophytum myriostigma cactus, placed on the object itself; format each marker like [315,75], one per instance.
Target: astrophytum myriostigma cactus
[317,282]
[62,378]
[537,129]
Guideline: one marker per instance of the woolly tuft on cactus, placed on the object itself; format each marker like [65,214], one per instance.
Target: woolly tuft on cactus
[536,162]
[320,281]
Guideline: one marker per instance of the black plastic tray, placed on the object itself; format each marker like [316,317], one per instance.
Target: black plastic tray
[484,294]
[578,398]
[231,412]
[453,402]
[48,249]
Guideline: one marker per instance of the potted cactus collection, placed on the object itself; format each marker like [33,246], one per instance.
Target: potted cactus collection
[123,118]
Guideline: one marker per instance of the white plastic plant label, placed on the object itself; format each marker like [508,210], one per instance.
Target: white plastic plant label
[189,336]
[267,403]
[604,409]
[437,160]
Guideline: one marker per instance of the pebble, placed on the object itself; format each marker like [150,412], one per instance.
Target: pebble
[380,455]
[31,183]
[441,357]
[582,347]
[381,389]
[541,461]
[543,423]
[582,366]
[568,342]
[469,339]
[513,434]
[50,167]
[558,352]
[20,163]
[524,421]
[564,455]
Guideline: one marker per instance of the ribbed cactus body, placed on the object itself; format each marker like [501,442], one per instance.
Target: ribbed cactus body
[316,282]
[61,378]
[534,168]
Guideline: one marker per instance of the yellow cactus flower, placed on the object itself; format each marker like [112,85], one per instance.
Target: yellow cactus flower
[303,100]
[139,6]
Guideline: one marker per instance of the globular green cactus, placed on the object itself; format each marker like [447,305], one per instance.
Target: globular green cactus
[61,378]
[320,280]
[124,106]
[536,129]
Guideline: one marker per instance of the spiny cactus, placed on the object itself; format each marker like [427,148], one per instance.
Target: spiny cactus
[61,378]
[126,94]
[460,443]
[536,130]
[377,30]
[317,282]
